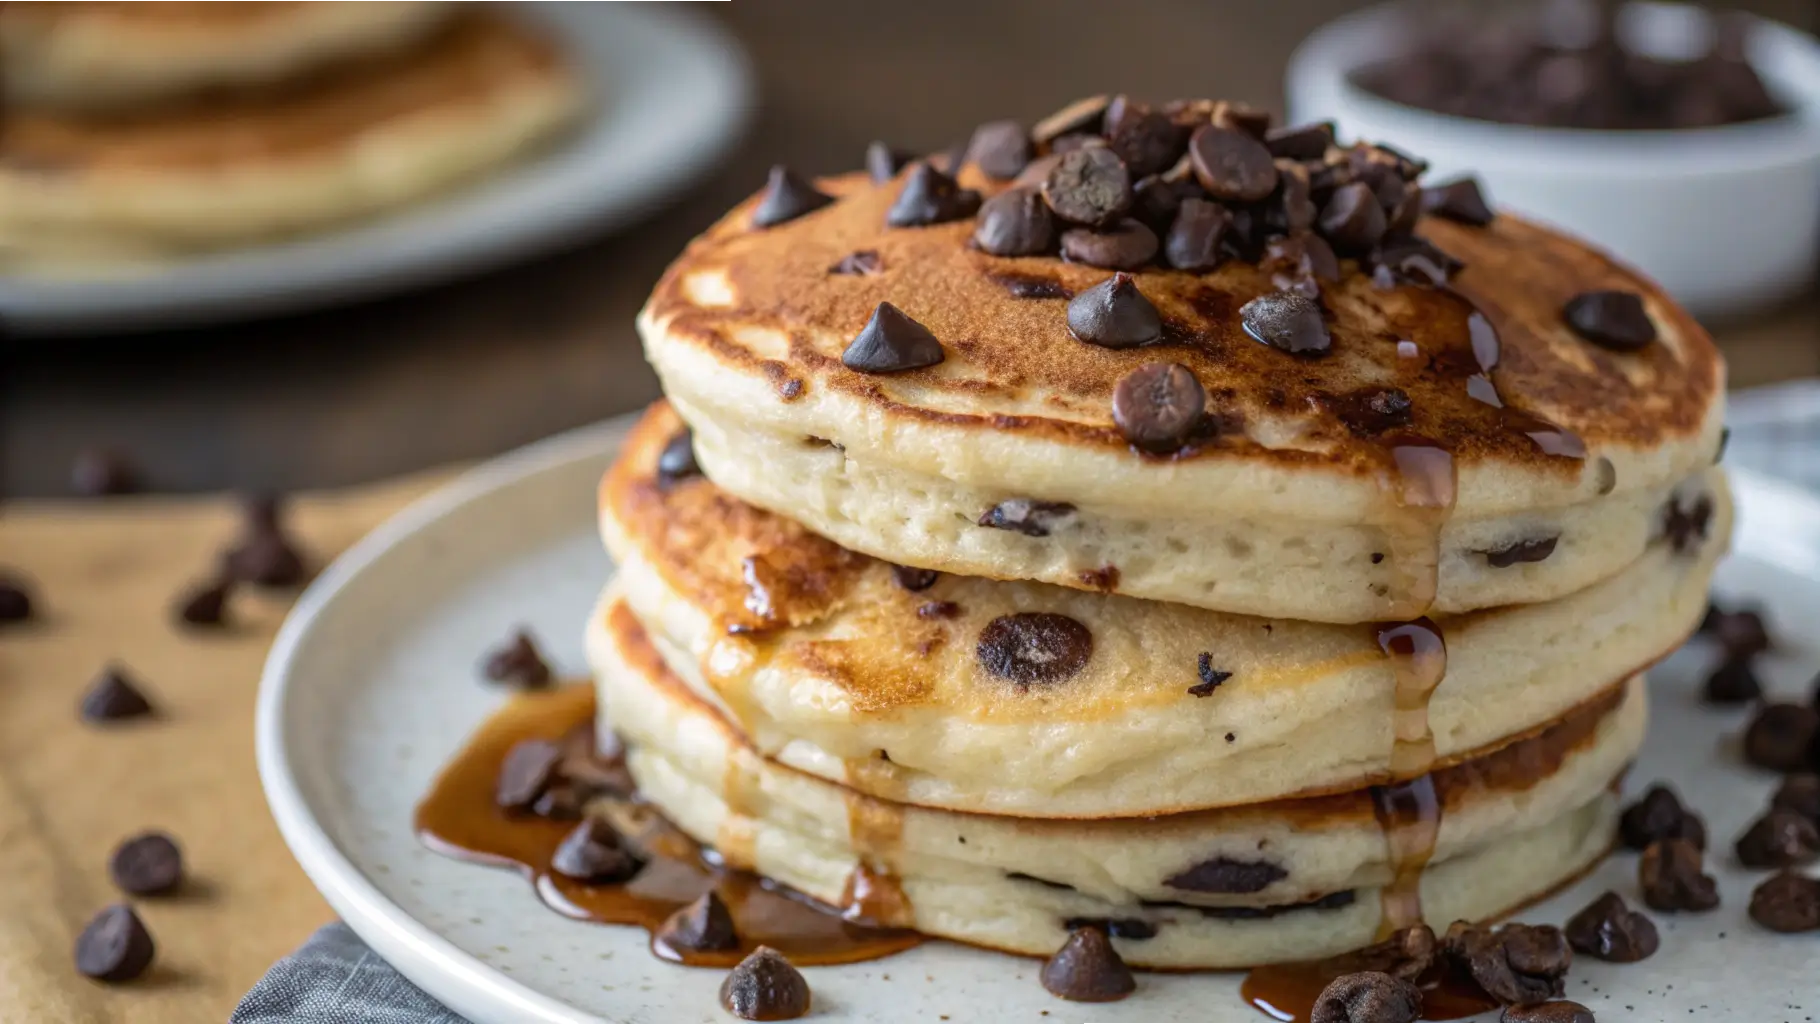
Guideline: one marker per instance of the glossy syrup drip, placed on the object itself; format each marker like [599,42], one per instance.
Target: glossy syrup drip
[1422,487]
[1408,810]
[458,818]
[873,894]
[1288,992]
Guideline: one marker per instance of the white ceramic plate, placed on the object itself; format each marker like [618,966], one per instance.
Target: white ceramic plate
[371,687]
[670,92]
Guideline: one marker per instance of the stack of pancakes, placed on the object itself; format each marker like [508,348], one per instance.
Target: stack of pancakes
[942,638]
[147,131]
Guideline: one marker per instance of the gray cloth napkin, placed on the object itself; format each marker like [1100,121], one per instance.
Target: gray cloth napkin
[335,979]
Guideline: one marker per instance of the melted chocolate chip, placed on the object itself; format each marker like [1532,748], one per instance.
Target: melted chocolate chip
[677,461]
[1232,165]
[592,852]
[1034,648]
[1612,319]
[914,579]
[1658,814]
[528,769]
[863,263]
[1779,737]
[1126,245]
[1458,199]
[890,343]
[1787,902]
[1211,677]
[765,986]
[703,926]
[1000,148]
[1368,996]
[1196,235]
[113,696]
[883,162]
[1287,321]
[1078,116]
[1015,222]
[114,946]
[1114,314]
[1672,877]
[1147,140]
[1779,839]
[1027,516]
[1134,928]
[1158,405]
[931,197]
[1521,551]
[1607,929]
[1352,219]
[1300,142]
[1733,682]
[1088,970]
[1685,525]
[1226,875]
[517,662]
[787,197]
[147,865]
[1517,963]
[1555,1011]
[1089,186]
[205,604]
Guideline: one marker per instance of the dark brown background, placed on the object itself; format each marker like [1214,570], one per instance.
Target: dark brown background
[477,367]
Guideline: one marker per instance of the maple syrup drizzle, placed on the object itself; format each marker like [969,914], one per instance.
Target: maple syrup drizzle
[873,894]
[1288,992]
[458,818]
[1423,489]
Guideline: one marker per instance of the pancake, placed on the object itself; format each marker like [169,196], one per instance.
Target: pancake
[119,55]
[77,190]
[830,665]
[1516,824]
[1291,497]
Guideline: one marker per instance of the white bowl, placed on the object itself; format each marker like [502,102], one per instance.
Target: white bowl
[1727,219]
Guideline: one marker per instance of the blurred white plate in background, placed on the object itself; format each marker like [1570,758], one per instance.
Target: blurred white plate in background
[670,93]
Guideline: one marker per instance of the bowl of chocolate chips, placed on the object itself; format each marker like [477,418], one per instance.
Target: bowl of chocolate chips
[1683,141]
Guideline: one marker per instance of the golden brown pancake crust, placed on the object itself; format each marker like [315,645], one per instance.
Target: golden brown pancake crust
[467,62]
[1013,366]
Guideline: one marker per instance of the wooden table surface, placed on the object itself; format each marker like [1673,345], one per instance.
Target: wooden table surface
[476,367]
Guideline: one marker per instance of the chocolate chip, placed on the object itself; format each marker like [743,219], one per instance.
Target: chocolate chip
[1778,738]
[100,472]
[1000,148]
[1134,928]
[1232,165]
[1114,314]
[704,926]
[1031,648]
[592,853]
[1062,146]
[528,769]
[1027,516]
[1156,202]
[15,600]
[1211,677]
[267,559]
[1242,117]
[1226,875]
[562,802]
[1292,209]
[1301,141]
[1078,116]
[786,197]
[1015,222]
[1658,814]
[1196,234]
[1685,525]
[1308,258]
[1089,186]
[1126,245]
[883,162]
[890,343]
[114,946]
[113,697]
[1779,839]
[1517,963]
[931,197]
[1088,970]
[1787,902]
[1799,793]
[1458,199]
[147,865]
[1521,551]
[677,461]
[1411,261]
[1613,319]
[1733,682]
[863,263]
[914,579]
[1609,930]
[1741,633]
[1408,953]
[205,604]
[1158,405]
[1147,140]
[1352,218]
[1368,996]
[517,662]
[1555,1011]
[1287,321]
[1671,876]
[765,986]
